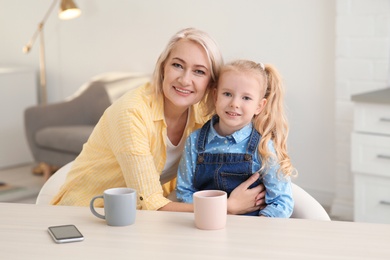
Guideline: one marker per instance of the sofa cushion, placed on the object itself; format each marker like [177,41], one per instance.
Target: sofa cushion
[64,138]
[116,83]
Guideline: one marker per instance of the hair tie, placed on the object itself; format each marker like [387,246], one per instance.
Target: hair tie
[261,65]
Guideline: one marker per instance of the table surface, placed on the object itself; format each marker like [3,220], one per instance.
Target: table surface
[381,96]
[172,235]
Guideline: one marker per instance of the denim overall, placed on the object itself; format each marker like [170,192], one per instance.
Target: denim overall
[224,171]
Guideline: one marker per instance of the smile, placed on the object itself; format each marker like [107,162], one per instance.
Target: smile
[183,90]
[233,114]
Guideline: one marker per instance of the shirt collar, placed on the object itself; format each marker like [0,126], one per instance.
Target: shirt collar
[237,136]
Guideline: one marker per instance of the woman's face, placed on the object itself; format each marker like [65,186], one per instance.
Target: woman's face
[186,75]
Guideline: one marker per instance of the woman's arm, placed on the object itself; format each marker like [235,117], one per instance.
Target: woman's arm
[178,206]
[137,142]
[242,200]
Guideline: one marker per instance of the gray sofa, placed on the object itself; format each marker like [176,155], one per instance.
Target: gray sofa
[57,132]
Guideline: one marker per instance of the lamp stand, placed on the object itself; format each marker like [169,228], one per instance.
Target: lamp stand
[68,11]
[42,66]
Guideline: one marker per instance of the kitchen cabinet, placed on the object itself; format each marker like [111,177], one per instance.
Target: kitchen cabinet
[370,156]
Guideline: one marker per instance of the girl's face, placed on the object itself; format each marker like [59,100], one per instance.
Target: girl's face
[238,98]
[186,75]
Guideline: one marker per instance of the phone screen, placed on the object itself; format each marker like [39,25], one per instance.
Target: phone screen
[65,233]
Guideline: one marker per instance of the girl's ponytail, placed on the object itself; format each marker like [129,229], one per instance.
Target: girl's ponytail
[272,122]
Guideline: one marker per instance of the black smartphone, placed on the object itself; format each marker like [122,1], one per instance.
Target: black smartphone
[65,234]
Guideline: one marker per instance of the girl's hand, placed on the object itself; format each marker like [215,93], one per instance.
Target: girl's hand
[243,200]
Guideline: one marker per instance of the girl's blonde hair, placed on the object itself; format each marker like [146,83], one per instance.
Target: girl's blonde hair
[271,123]
[214,57]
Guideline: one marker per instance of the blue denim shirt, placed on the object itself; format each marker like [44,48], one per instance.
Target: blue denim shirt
[278,189]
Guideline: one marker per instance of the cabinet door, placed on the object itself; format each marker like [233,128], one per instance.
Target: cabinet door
[372,199]
[371,154]
[18,91]
[372,118]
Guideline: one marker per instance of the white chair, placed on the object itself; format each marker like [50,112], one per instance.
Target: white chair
[53,185]
[305,206]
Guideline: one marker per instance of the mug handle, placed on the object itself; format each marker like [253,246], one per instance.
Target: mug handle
[93,208]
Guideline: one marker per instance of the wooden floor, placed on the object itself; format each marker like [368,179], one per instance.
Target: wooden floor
[27,185]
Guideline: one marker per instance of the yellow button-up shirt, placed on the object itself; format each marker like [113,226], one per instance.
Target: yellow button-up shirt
[127,148]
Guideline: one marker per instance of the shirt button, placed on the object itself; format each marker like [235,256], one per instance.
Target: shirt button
[141,198]
[226,141]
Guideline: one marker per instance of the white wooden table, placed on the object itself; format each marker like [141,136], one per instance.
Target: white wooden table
[171,235]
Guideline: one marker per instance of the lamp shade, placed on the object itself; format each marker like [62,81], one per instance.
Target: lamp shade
[68,10]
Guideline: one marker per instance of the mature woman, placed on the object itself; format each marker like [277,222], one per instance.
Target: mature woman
[139,139]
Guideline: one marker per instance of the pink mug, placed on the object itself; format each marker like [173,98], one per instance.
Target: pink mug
[210,209]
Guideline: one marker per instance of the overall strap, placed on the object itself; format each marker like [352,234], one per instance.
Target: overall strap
[253,141]
[202,139]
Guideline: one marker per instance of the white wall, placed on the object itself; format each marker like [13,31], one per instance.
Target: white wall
[297,36]
[362,64]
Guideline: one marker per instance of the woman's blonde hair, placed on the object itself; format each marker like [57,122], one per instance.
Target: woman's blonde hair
[271,123]
[213,53]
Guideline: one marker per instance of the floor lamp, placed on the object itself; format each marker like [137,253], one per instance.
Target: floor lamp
[68,10]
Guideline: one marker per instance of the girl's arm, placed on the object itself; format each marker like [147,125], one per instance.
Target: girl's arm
[280,203]
[185,172]
[279,198]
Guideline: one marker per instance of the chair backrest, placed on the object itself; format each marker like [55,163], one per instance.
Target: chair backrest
[53,185]
[305,206]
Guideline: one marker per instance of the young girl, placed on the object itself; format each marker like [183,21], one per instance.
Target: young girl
[248,134]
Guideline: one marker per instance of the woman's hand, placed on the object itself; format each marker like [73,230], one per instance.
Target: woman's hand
[243,200]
